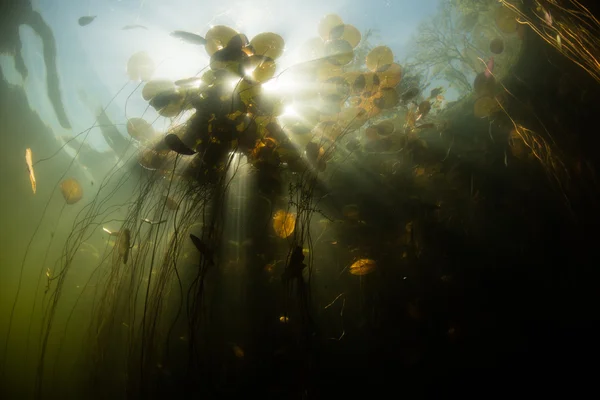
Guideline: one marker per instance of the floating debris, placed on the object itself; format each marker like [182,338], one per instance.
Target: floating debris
[237,351]
[124,244]
[28,160]
[71,190]
[202,248]
[175,144]
[88,19]
[146,220]
[363,266]
[110,233]
[189,37]
[135,26]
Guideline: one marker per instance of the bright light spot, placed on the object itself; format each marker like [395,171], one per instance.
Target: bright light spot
[284,84]
[271,86]
[233,83]
[290,111]
[249,71]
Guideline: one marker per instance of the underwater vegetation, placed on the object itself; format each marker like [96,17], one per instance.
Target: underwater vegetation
[289,227]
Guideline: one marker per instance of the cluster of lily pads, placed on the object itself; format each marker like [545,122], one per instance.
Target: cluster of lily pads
[232,112]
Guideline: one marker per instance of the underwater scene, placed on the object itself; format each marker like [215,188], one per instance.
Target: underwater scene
[298,199]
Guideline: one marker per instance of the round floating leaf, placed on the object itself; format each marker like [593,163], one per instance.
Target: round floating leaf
[140,67]
[371,133]
[239,41]
[386,98]
[155,87]
[385,128]
[339,52]
[346,32]
[506,20]
[410,93]
[151,159]
[284,223]
[485,106]
[497,46]
[268,44]
[356,81]
[379,58]
[351,35]
[169,103]
[327,23]
[363,266]
[71,190]
[391,77]
[364,84]
[227,59]
[139,129]
[217,38]
[353,144]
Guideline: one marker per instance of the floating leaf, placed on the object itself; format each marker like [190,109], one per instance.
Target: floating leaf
[140,67]
[384,128]
[346,32]
[28,160]
[139,129]
[169,103]
[71,190]
[189,37]
[218,37]
[284,223]
[155,87]
[386,98]
[363,266]
[268,44]
[379,58]
[328,23]
[124,244]
[338,52]
[391,76]
[228,59]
